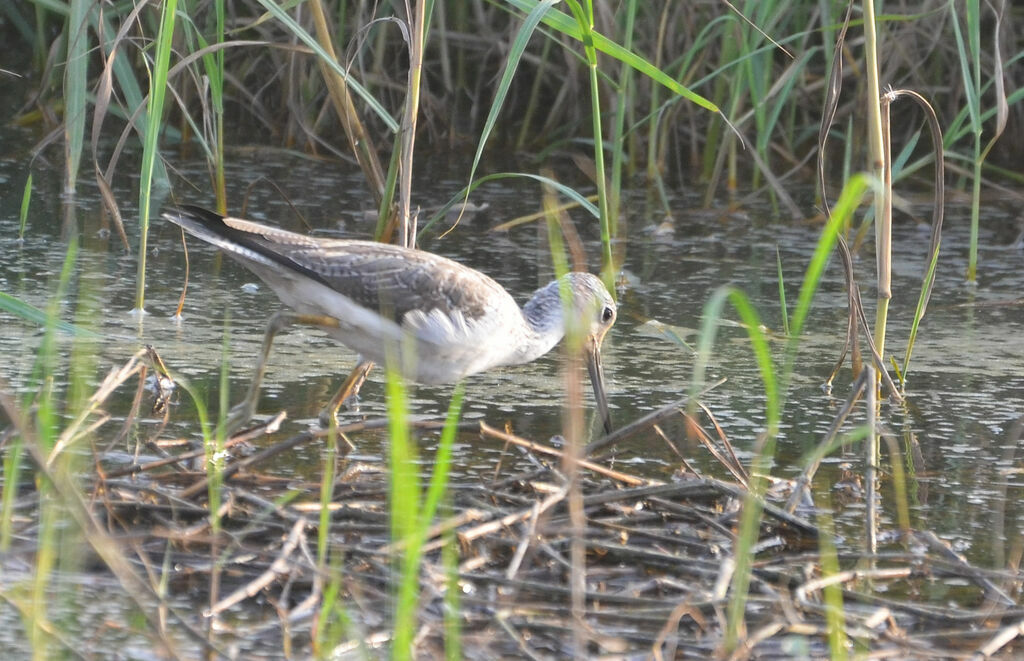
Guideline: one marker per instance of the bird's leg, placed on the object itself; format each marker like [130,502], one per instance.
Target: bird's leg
[350,388]
[242,412]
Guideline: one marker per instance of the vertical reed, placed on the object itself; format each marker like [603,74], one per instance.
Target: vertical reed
[412,512]
[584,16]
[76,80]
[26,200]
[775,383]
[876,166]
[624,102]
[150,147]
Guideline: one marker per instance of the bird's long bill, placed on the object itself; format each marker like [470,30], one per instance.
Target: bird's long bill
[593,357]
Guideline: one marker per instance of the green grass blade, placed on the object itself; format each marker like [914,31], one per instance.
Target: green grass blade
[452,603]
[26,200]
[334,620]
[710,316]
[76,79]
[752,506]
[585,20]
[846,205]
[568,26]
[155,111]
[623,98]
[835,616]
[29,312]
[774,386]
[404,508]
[213,65]
[515,53]
[442,462]
[180,381]
[783,309]
[21,24]
[9,491]
[970,84]
[40,389]
[922,301]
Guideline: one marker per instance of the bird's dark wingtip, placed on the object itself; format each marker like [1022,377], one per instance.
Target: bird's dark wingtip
[208,226]
[181,213]
[247,245]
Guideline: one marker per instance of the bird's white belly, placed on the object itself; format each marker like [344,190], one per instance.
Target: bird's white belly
[417,360]
[435,350]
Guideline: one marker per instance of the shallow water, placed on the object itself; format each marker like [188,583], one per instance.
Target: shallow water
[966,382]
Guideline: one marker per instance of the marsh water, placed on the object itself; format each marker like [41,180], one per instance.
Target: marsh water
[965,383]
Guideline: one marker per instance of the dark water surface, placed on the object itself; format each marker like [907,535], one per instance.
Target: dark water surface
[966,381]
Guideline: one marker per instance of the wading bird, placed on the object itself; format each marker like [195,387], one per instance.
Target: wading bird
[433,319]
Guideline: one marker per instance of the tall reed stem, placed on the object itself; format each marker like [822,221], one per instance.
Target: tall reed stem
[622,100]
[418,29]
[876,151]
[154,112]
[76,78]
[584,16]
[217,93]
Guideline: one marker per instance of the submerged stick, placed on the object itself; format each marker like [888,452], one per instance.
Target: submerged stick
[801,484]
[648,420]
[237,439]
[279,567]
[487,430]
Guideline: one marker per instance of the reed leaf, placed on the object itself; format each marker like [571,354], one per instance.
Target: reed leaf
[26,200]
[568,26]
[155,109]
[585,20]
[29,312]
[404,506]
[438,485]
[127,84]
[515,53]
[76,78]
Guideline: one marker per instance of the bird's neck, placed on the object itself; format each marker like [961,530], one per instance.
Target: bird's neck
[544,326]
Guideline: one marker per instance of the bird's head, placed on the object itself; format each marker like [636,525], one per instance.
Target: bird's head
[591,312]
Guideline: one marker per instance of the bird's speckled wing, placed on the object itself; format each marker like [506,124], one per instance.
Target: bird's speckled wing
[384,278]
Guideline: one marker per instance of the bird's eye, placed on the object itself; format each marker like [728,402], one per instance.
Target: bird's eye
[607,314]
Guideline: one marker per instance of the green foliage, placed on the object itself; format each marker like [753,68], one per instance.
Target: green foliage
[412,513]
[754,58]
[649,57]
[968,48]
[43,428]
[26,200]
[76,78]
[774,382]
[150,147]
